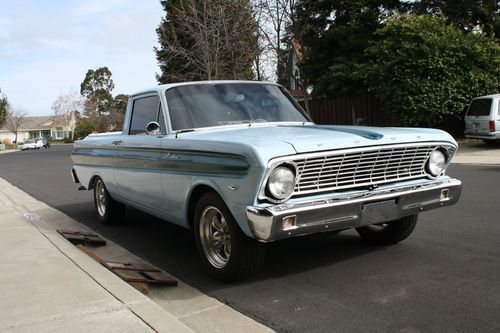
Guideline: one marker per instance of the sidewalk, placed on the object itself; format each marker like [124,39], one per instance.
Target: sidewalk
[8,151]
[49,285]
[477,152]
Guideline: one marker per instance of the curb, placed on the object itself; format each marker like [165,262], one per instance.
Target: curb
[151,313]
[145,309]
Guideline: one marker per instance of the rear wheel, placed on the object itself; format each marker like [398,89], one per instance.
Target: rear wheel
[388,233]
[226,252]
[108,210]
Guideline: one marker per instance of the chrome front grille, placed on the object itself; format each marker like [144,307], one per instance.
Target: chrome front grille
[353,168]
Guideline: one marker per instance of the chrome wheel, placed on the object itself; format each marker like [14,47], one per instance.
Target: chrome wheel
[100,197]
[215,237]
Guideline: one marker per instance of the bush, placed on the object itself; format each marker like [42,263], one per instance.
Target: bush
[427,70]
[84,127]
[68,140]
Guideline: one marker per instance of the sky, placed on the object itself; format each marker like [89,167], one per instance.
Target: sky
[47,46]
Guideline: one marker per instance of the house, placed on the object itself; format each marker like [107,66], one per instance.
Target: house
[292,78]
[53,127]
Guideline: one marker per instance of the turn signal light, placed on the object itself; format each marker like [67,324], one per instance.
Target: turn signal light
[492,126]
[289,222]
[445,195]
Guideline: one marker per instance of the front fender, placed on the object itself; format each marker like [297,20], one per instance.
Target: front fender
[237,194]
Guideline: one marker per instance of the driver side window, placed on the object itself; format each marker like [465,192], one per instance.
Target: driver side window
[144,111]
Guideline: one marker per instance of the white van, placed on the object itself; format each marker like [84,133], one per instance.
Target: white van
[482,120]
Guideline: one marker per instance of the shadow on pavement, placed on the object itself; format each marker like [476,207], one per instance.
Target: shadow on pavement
[173,248]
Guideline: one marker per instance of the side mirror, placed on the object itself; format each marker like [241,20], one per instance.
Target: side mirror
[153,128]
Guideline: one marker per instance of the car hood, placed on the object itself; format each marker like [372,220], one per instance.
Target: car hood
[312,138]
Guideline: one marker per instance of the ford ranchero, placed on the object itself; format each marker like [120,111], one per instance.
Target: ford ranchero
[241,164]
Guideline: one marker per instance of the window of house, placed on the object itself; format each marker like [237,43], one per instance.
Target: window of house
[144,111]
[59,133]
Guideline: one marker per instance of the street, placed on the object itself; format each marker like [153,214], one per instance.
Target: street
[443,278]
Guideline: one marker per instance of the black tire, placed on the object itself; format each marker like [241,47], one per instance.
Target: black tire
[246,254]
[388,233]
[113,210]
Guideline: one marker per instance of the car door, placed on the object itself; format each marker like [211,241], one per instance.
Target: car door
[138,172]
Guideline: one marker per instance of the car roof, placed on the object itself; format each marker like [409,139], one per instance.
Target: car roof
[488,96]
[162,87]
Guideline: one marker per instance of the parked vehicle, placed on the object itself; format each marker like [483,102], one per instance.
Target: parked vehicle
[46,143]
[482,120]
[242,164]
[32,144]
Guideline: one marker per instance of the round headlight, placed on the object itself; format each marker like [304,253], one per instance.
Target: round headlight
[436,163]
[281,183]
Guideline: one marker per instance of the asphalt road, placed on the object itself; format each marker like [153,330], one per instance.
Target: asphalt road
[445,277]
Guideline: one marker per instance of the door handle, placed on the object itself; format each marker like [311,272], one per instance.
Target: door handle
[117,142]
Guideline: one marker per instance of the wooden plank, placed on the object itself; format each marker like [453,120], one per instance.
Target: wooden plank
[140,273]
[80,237]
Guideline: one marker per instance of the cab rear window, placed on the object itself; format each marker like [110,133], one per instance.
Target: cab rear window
[480,107]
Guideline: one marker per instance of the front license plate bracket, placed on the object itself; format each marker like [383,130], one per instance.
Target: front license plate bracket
[379,212]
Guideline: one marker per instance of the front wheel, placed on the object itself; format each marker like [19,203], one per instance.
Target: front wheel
[226,252]
[388,233]
[108,210]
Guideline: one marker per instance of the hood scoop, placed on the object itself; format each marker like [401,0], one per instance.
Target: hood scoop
[370,135]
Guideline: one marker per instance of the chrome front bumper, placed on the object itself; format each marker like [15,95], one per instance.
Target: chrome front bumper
[351,211]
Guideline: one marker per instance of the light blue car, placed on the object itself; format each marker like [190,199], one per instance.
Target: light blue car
[242,164]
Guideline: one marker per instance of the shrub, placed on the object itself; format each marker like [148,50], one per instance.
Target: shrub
[427,70]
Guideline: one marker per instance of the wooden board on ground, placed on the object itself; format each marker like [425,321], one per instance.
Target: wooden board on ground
[80,237]
[135,272]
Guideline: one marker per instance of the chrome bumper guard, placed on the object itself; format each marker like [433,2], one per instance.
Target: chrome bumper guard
[350,211]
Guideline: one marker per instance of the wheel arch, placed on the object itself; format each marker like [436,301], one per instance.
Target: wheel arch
[92,181]
[196,192]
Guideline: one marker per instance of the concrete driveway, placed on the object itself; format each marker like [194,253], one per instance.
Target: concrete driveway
[477,152]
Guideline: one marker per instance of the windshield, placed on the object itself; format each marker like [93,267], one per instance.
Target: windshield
[30,141]
[480,107]
[206,105]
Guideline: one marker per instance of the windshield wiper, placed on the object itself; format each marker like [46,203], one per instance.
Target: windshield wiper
[183,131]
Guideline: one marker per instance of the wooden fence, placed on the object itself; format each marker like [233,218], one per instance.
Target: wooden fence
[360,110]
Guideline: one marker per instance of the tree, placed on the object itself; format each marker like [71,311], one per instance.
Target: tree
[96,88]
[274,17]
[15,118]
[84,126]
[117,112]
[468,15]
[333,35]
[4,108]
[427,70]
[206,40]
[66,106]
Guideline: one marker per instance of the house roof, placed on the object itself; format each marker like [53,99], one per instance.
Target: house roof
[39,123]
